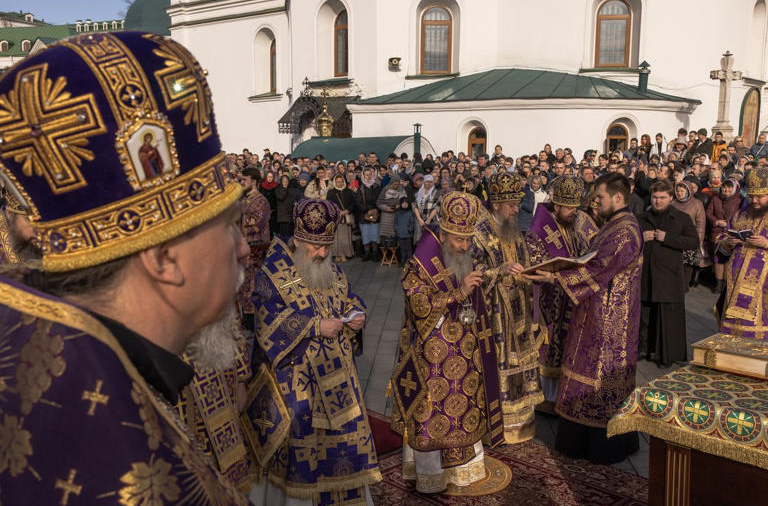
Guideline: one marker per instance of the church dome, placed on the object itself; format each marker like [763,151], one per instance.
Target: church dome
[148,16]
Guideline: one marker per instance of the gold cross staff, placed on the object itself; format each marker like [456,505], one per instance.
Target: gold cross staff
[68,487]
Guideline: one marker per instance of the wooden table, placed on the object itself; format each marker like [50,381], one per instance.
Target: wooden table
[708,437]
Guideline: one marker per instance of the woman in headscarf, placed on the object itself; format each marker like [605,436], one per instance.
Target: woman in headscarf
[425,206]
[366,200]
[344,199]
[267,188]
[389,201]
[719,212]
[685,202]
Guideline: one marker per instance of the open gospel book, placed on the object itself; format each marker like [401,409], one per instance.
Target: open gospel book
[560,264]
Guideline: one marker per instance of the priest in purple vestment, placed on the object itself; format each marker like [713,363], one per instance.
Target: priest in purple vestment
[600,353]
[500,247]
[559,229]
[742,309]
[130,272]
[446,384]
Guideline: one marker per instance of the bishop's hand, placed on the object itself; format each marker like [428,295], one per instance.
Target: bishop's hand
[473,279]
[330,327]
[541,277]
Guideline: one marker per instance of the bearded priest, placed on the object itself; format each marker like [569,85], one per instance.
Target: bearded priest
[444,404]
[559,229]
[211,404]
[306,421]
[500,248]
[600,354]
[740,310]
[17,244]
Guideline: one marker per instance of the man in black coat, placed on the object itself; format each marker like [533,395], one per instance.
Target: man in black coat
[667,232]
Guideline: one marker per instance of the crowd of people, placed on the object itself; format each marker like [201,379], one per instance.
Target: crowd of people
[175,328]
[388,202]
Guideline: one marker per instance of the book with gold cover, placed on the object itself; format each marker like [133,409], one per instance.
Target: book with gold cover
[740,355]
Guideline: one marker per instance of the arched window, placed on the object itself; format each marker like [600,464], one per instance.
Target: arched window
[25,45]
[476,142]
[614,20]
[272,67]
[436,34]
[340,46]
[617,137]
[3,46]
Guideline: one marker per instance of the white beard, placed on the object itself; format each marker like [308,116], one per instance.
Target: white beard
[460,265]
[214,347]
[317,275]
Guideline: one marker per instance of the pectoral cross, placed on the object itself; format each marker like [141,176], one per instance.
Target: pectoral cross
[95,397]
[553,237]
[484,336]
[264,423]
[408,384]
[725,75]
[68,487]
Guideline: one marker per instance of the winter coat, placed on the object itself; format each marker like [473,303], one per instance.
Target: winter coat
[285,200]
[404,223]
[663,278]
[722,208]
[695,209]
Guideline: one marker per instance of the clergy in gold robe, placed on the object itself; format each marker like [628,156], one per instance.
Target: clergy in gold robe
[446,384]
[743,307]
[500,248]
[559,229]
[600,354]
[16,233]
[210,405]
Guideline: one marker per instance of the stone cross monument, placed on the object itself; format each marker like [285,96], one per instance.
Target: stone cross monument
[725,75]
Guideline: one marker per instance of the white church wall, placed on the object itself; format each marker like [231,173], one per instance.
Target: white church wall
[681,40]
[519,131]
[243,123]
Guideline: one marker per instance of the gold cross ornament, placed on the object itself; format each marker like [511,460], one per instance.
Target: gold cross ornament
[68,487]
[95,397]
[408,384]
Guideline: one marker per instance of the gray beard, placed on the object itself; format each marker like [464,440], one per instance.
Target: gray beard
[460,265]
[316,275]
[509,232]
[25,249]
[214,347]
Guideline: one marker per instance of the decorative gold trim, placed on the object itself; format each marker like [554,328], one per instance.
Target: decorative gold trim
[58,311]
[311,490]
[697,441]
[138,222]
[5,241]
[677,484]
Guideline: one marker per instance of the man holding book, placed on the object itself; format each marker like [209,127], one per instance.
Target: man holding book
[559,229]
[499,246]
[741,308]
[600,353]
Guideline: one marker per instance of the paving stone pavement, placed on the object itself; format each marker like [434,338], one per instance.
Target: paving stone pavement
[380,288]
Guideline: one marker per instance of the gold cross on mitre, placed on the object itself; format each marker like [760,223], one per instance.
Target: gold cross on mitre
[95,397]
[46,130]
[68,487]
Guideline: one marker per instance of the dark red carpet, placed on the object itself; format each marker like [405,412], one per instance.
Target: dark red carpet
[540,476]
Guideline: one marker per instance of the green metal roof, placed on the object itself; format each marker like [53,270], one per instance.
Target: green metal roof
[504,84]
[334,149]
[149,16]
[16,34]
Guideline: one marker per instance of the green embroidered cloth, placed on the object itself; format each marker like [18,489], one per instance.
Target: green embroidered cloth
[711,411]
